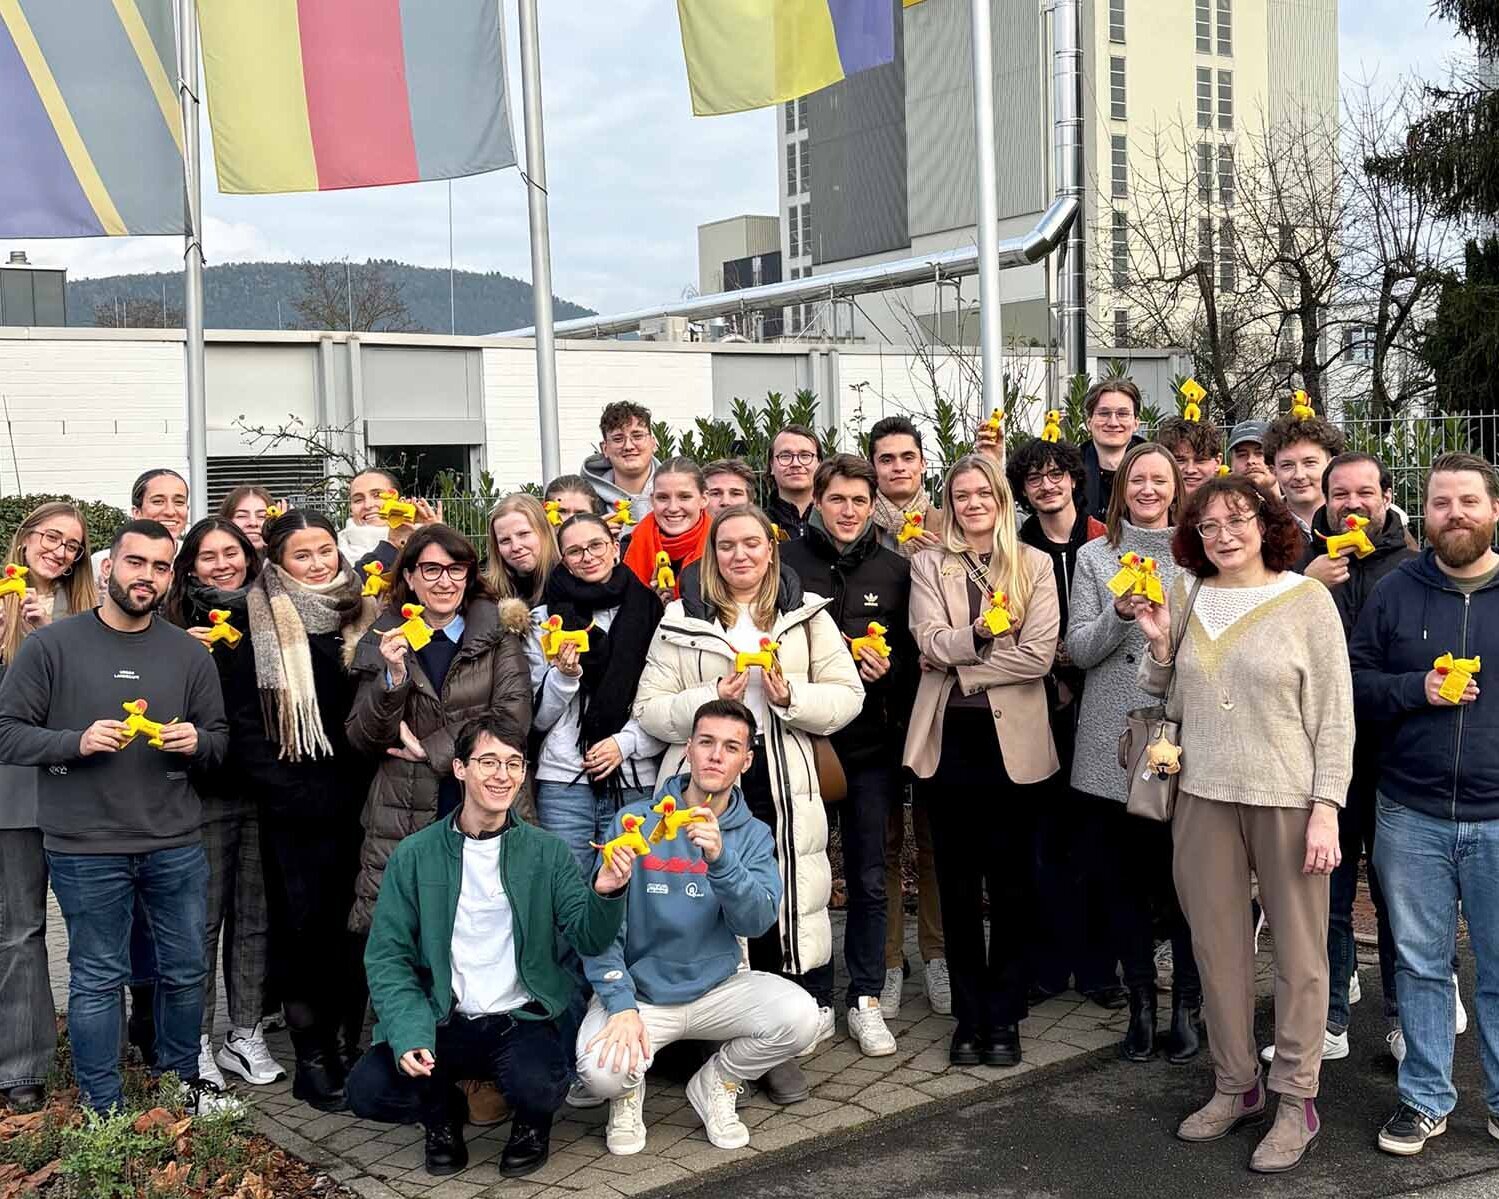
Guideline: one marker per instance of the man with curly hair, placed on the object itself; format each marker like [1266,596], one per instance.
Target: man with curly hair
[1298,451]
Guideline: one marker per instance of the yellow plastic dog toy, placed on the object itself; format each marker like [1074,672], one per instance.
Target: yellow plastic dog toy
[621,515]
[673,819]
[1355,540]
[666,578]
[873,642]
[375,582]
[764,657]
[221,629]
[630,839]
[136,724]
[395,511]
[15,580]
[553,637]
[1459,673]
[418,632]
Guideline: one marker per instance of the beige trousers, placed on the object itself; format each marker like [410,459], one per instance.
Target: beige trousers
[1216,846]
[928,905]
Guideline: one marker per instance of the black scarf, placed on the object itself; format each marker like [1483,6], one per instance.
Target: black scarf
[200,599]
[616,658]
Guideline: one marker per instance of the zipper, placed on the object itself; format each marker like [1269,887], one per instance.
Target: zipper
[1457,756]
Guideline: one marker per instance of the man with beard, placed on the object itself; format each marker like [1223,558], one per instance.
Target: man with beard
[120,820]
[1437,814]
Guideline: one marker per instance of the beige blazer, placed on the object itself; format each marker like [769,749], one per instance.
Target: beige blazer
[1009,669]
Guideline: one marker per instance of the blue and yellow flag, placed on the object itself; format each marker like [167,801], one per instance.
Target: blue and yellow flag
[744,54]
[90,129]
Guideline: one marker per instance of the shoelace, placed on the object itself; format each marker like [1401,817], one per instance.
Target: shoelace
[725,1100]
[626,1110]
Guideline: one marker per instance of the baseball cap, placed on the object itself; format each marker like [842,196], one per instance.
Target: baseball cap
[1248,430]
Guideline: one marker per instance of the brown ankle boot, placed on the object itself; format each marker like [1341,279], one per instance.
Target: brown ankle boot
[1293,1133]
[1222,1114]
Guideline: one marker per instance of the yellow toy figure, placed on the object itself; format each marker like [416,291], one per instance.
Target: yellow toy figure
[1163,758]
[630,838]
[910,528]
[997,614]
[1223,471]
[993,423]
[395,511]
[553,509]
[666,577]
[1052,429]
[418,632]
[272,511]
[221,629]
[553,638]
[15,580]
[873,642]
[621,515]
[673,819]
[1355,539]
[375,582]
[1301,408]
[1137,576]
[1459,673]
[1192,393]
[779,533]
[764,658]
[136,725]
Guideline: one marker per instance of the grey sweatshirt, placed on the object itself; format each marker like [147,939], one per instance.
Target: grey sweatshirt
[1109,648]
[79,670]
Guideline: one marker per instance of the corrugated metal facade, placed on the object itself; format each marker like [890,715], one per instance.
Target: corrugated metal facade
[1303,60]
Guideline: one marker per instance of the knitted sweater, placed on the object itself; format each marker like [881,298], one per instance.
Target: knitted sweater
[1264,693]
[1109,648]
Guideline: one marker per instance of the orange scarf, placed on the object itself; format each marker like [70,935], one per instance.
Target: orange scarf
[647,541]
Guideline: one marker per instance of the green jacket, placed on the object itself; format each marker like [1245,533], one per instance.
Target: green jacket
[409,955]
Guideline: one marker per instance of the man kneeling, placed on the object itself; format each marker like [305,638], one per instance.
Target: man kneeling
[464,964]
[676,969]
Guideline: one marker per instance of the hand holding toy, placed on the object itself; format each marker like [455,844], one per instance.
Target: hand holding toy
[629,839]
[136,724]
[1458,674]
[395,511]
[1355,539]
[1137,576]
[997,614]
[873,642]
[764,657]
[911,528]
[14,580]
[418,632]
[554,637]
[673,819]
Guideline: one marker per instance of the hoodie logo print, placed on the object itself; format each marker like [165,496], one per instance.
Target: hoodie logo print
[871,600]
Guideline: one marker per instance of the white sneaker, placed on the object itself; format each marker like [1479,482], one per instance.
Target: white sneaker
[246,1054]
[714,1096]
[827,1025]
[203,1098]
[625,1133]
[938,987]
[578,1095]
[890,995]
[1334,1046]
[208,1070]
[1355,990]
[1462,1012]
[867,1026]
[1395,1040]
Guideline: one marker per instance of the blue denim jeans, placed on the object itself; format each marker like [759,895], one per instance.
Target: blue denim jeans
[578,816]
[97,894]
[1427,865]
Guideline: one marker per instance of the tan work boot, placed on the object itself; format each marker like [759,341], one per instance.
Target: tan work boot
[1293,1133]
[486,1106]
[1222,1114]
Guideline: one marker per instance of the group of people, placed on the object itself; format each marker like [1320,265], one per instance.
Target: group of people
[552,810]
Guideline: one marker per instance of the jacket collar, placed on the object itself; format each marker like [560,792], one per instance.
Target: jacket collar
[1035,536]
[788,597]
[1388,539]
[681,627]
[1425,568]
[453,838]
[823,544]
[482,630]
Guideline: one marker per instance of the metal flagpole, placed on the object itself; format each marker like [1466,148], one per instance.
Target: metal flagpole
[541,248]
[991,346]
[192,308]
[452,295]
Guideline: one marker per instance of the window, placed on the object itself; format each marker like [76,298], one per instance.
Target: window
[1205,172]
[1121,249]
[1205,243]
[1204,98]
[801,113]
[1225,100]
[1228,263]
[1116,89]
[793,233]
[1116,20]
[1358,343]
[790,116]
[1226,183]
[807,230]
[1120,165]
[806,161]
[1204,27]
[1225,27]
[791,168]
[1287,250]
[1121,326]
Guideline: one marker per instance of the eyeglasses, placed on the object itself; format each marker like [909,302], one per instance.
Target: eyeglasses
[430,572]
[800,457]
[1117,415]
[594,549]
[1211,530]
[638,437]
[1051,476]
[490,764]
[51,539]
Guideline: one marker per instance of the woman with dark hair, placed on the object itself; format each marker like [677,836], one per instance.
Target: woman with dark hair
[52,543]
[677,526]
[594,757]
[1128,858]
[1264,694]
[287,697]
[246,507]
[215,566]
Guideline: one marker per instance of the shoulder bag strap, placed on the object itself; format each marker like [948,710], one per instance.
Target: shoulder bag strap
[1179,637]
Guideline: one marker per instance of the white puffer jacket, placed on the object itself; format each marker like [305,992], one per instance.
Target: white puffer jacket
[687,658]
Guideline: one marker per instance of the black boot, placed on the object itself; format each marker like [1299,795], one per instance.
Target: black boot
[1003,1048]
[1139,1040]
[1184,1042]
[529,1146]
[447,1152]
[319,1078]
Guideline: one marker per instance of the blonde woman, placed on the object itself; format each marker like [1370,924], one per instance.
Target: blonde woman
[812,689]
[979,735]
[51,543]
[522,549]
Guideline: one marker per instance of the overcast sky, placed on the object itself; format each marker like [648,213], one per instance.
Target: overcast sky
[631,172]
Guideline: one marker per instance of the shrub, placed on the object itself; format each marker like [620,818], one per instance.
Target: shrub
[107,1158]
[102,519]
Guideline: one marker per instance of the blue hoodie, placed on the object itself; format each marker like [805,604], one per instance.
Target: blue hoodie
[684,915]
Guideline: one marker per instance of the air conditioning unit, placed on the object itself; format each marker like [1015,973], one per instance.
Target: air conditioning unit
[664,328]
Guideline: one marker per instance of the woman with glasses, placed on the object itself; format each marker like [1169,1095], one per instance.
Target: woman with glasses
[594,756]
[979,735]
[677,527]
[52,544]
[1127,859]
[1264,694]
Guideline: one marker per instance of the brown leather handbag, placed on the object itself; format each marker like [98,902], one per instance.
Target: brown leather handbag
[832,782]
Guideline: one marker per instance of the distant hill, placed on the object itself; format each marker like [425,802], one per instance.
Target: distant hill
[243,295]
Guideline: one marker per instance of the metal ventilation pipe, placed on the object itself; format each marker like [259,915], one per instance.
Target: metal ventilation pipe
[1068,162]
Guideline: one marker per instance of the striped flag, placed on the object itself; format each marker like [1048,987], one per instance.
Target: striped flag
[90,128]
[313,95]
[745,54]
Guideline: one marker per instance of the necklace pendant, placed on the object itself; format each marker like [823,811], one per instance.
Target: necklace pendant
[1226,704]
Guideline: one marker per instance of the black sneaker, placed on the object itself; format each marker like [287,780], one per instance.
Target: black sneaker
[446,1151]
[1407,1131]
[528,1148]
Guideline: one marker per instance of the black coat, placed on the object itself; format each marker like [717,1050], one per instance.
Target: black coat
[1095,494]
[866,582]
[787,518]
[1390,550]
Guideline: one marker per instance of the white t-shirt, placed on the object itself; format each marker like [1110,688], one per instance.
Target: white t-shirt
[485,978]
[745,638]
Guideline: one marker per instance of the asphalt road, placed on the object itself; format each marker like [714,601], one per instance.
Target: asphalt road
[1105,1127]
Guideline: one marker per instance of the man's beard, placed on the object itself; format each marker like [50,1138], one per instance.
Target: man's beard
[1459,547]
[127,603]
